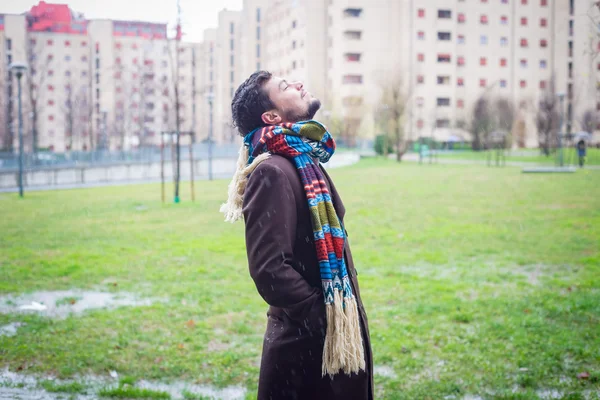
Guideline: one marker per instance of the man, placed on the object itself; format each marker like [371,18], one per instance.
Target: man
[317,344]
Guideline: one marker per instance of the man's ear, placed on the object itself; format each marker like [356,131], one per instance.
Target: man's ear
[271,117]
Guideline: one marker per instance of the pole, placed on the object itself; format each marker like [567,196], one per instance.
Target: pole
[19,75]
[192,167]
[210,139]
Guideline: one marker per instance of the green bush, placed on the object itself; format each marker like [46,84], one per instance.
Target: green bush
[380,143]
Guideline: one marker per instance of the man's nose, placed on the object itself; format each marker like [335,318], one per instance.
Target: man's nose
[298,85]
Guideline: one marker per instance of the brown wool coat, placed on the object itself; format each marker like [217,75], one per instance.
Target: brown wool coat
[283,264]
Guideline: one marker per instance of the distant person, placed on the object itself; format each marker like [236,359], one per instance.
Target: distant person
[316,344]
[581,151]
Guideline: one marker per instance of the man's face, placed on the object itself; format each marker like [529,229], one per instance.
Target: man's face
[292,102]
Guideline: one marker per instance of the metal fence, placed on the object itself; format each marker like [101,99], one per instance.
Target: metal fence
[47,160]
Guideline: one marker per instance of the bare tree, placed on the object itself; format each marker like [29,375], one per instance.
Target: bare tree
[519,132]
[492,121]
[588,120]
[394,102]
[39,70]
[547,118]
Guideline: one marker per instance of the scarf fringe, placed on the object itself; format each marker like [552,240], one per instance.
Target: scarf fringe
[235,192]
[343,349]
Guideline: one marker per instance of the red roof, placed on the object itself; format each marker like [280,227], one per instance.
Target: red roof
[54,18]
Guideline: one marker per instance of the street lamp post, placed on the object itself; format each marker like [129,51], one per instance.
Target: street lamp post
[210,97]
[19,69]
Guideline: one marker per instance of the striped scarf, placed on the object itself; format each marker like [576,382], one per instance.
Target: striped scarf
[302,142]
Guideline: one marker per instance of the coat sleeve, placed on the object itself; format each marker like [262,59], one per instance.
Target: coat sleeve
[270,215]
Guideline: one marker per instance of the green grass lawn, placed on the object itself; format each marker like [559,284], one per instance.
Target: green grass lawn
[529,155]
[477,281]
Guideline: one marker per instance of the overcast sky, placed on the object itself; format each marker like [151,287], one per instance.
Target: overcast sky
[197,15]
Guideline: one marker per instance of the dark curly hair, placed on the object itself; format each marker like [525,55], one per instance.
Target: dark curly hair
[250,102]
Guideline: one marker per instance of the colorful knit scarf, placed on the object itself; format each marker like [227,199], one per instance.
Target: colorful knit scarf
[301,142]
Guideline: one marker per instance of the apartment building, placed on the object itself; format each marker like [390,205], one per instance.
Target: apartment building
[442,54]
[96,83]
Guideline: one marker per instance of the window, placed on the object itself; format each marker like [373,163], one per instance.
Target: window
[83,44]
[544,22]
[461,61]
[67,43]
[421,35]
[352,57]
[461,39]
[258,50]
[461,18]
[523,21]
[543,64]
[445,36]
[294,24]
[503,83]
[84,58]
[83,74]
[483,61]
[352,79]
[49,42]
[542,84]
[419,123]
[50,117]
[524,2]
[67,73]
[421,13]
[460,103]
[543,43]
[231,63]
[231,44]
[523,63]
[524,43]
[443,101]
[523,84]
[460,82]
[50,88]
[444,14]
[351,12]
[420,57]
[257,14]
[504,20]
[258,33]
[231,28]
[420,101]
[134,46]
[50,72]
[442,123]
[443,80]
[231,76]
[482,83]
[50,102]
[503,41]
[503,62]
[483,19]
[352,35]
[443,58]
[420,79]
[135,60]
[504,1]
[483,40]
[543,3]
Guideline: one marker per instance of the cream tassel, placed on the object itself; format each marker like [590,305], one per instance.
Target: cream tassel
[235,192]
[343,349]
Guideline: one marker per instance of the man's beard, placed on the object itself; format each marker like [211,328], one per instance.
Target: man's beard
[313,107]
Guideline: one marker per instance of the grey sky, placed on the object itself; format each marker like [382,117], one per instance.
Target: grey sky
[197,14]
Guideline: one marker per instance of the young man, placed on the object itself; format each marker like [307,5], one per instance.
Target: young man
[317,344]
